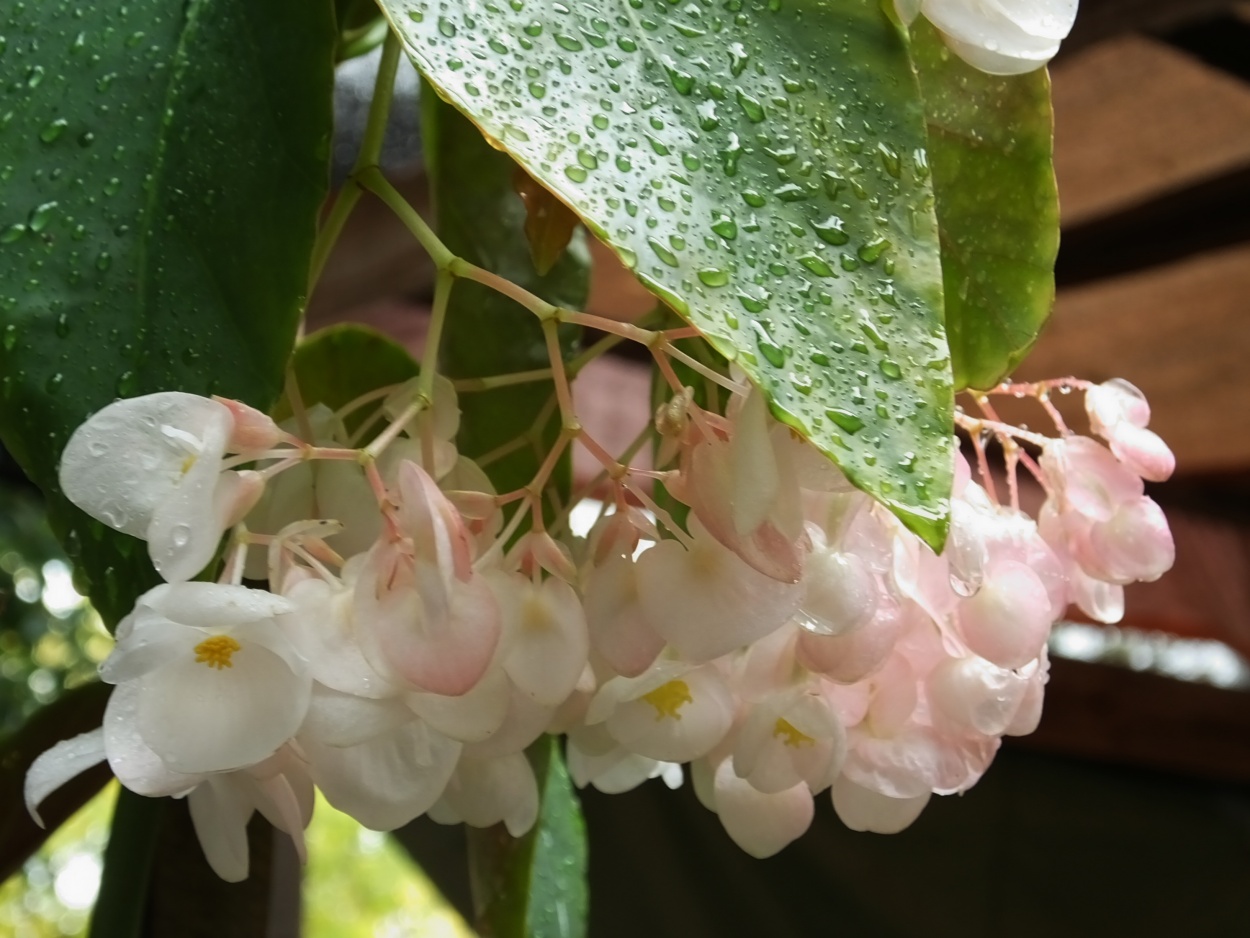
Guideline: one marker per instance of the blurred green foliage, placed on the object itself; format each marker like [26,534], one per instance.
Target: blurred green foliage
[50,637]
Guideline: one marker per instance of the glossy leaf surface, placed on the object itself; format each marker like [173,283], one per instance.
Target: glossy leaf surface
[760,166]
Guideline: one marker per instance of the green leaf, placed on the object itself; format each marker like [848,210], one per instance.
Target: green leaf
[164,163]
[77,711]
[990,149]
[760,167]
[338,364]
[128,862]
[535,886]
[481,218]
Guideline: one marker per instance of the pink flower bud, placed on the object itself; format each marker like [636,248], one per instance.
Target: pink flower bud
[252,429]
[1143,451]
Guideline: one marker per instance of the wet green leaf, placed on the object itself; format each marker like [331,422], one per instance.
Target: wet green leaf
[760,166]
[535,886]
[163,165]
[990,149]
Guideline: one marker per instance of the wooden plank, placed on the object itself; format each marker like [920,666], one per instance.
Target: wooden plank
[1099,20]
[1135,118]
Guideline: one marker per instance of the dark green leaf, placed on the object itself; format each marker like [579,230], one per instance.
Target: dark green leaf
[77,711]
[535,887]
[164,162]
[481,218]
[338,364]
[761,167]
[121,905]
[997,207]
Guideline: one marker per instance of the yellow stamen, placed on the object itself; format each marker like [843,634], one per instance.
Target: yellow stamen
[668,699]
[792,737]
[188,462]
[217,651]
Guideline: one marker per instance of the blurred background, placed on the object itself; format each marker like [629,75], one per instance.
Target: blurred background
[1126,813]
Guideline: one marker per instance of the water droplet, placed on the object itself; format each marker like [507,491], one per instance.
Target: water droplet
[753,198]
[890,159]
[725,226]
[790,192]
[832,230]
[713,276]
[40,216]
[103,261]
[754,304]
[416,16]
[569,43]
[34,75]
[817,265]
[587,159]
[12,233]
[86,138]
[683,82]
[907,462]
[538,89]
[663,253]
[10,337]
[62,325]
[53,383]
[750,106]
[113,186]
[181,535]
[707,115]
[446,27]
[127,383]
[576,173]
[870,251]
[53,130]
[891,369]
[772,352]
[738,56]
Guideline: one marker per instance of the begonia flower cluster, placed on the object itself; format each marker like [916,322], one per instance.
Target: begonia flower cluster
[382,629]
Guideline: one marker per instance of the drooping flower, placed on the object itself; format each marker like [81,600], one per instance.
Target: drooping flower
[1002,37]
[217,684]
[151,467]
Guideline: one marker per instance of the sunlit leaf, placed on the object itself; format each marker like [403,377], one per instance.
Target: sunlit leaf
[760,166]
[997,206]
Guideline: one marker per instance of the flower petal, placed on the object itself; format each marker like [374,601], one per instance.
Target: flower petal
[56,766]
[758,823]
[220,811]
[120,465]
[388,781]
[862,809]
[202,719]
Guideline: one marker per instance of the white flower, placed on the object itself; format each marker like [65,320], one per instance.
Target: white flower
[1002,37]
[217,684]
[151,467]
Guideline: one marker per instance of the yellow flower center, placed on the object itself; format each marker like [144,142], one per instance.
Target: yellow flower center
[216,651]
[668,699]
[794,738]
